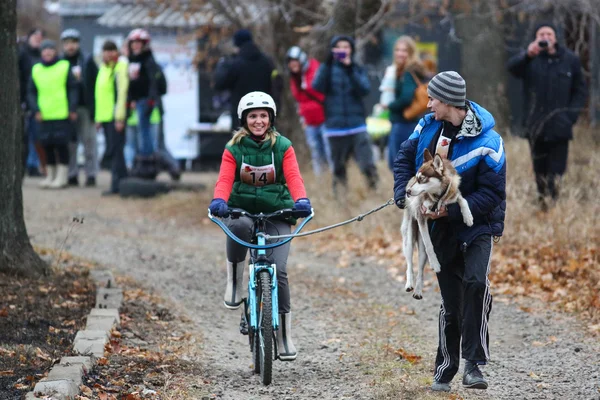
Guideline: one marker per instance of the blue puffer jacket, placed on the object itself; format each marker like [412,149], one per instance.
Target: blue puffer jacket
[344,87]
[480,160]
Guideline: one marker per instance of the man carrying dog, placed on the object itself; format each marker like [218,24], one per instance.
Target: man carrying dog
[461,131]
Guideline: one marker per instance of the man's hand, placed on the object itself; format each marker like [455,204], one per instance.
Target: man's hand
[442,212]
[73,116]
[119,126]
[38,116]
[347,61]
[533,50]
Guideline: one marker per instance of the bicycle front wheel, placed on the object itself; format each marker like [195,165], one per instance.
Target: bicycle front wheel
[265,328]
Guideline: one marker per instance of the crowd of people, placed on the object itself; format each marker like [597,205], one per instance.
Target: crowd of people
[330,105]
[67,97]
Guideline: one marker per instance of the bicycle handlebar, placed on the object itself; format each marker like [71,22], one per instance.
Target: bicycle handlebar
[237,213]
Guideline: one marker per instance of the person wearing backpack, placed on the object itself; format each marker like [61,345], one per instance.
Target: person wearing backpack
[406,73]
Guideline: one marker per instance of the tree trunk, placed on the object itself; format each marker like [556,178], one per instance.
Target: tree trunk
[16,254]
[483,61]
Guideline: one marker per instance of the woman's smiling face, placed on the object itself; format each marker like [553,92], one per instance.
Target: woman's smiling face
[258,121]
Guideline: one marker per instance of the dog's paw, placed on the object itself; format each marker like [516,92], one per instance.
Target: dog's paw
[436,266]
[409,288]
[417,296]
[468,220]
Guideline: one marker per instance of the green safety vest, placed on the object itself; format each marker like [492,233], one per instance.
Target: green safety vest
[256,199]
[155,117]
[105,92]
[51,84]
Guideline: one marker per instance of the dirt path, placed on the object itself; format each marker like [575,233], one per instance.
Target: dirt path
[349,322]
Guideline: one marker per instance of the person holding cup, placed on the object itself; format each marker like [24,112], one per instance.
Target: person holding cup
[84,70]
[344,84]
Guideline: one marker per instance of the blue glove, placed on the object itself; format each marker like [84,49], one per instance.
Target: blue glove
[218,207]
[303,208]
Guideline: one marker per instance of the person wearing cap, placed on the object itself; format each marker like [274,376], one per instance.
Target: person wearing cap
[259,173]
[110,104]
[461,131]
[29,55]
[250,70]
[53,97]
[84,70]
[345,84]
[554,95]
[310,105]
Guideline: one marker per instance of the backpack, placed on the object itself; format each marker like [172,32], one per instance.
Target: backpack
[161,81]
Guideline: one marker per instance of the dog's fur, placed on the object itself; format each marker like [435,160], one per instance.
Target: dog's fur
[435,184]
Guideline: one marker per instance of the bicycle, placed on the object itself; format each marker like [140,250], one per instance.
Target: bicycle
[261,307]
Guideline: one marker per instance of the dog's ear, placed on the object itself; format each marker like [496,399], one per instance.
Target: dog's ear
[427,156]
[438,164]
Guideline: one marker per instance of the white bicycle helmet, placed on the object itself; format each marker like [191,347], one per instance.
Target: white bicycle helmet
[256,100]
[296,53]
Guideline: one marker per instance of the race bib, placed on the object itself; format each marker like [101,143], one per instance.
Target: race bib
[443,145]
[257,176]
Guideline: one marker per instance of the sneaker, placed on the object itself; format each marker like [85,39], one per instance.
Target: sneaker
[90,181]
[440,386]
[473,378]
[73,181]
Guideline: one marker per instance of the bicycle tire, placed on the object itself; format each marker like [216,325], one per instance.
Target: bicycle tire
[265,328]
[255,338]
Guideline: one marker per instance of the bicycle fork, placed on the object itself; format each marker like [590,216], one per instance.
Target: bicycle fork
[253,301]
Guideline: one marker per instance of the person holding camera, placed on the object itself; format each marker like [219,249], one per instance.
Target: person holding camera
[554,95]
[344,84]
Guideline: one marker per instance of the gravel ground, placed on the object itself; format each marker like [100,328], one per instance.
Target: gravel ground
[345,319]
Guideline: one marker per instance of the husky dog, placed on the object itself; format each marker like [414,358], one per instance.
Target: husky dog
[435,184]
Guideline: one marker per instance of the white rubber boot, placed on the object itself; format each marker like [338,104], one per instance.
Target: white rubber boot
[235,284]
[285,345]
[50,175]
[62,177]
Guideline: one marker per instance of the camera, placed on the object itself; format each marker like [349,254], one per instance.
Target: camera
[339,55]
[543,44]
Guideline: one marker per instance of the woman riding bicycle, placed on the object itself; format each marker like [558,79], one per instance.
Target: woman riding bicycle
[259,173]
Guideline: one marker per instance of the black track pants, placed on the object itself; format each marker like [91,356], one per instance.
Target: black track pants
[466,304]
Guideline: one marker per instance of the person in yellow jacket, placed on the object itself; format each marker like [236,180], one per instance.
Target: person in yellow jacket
[53,97]
[110,103]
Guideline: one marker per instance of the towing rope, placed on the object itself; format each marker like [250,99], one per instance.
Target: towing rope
[358,218]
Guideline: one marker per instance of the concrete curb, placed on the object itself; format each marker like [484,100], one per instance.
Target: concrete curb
[65,378]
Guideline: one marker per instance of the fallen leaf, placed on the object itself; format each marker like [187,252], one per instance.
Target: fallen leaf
[7,373]
[86,390]
[4,312]
[594,328]
[534,376]
[102,396]
[42,355]
[21,386]
[410,357]
[537,343]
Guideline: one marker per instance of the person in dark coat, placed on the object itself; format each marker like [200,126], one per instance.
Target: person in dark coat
[249,71]
[554,95]
[29,55]
[461,131]
[345,84]
[84,70]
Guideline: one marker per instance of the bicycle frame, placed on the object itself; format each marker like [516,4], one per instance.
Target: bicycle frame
[261,262]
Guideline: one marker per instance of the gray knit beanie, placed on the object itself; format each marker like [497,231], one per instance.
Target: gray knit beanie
[449,88]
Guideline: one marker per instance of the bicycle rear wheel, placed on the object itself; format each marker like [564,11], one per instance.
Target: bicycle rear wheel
[265,328]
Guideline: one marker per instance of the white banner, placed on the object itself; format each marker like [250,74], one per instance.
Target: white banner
[181,101]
